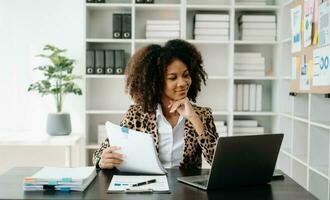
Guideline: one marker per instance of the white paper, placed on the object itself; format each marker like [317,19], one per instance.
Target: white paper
[321,71]
[324,23]
[138,149]
[295,29]
[308,18]
[121,183]
[304,78]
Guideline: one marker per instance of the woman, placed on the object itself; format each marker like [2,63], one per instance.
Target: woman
[162,81]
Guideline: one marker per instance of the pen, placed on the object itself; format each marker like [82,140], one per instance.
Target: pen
[144,182]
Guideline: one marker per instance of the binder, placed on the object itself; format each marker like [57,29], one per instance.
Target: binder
[117,25]
[100,1]
[246,94]
[90,61]
[99,61]
[148,1]
[109,61]
[90,1]
[126,25]
[119,61]
[139,1]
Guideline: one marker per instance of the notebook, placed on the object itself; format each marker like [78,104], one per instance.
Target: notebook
[123,184]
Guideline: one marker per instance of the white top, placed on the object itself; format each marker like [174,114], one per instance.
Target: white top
[171,141]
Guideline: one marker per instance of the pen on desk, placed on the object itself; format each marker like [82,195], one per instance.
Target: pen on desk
[144,182]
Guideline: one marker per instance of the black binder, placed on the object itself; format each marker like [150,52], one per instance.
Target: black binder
[90,1]
[126,25]
[148,1]
[99,61]
[109,61]
[90,61]
[139,1]
[117,25]
[119,61]
[100,1]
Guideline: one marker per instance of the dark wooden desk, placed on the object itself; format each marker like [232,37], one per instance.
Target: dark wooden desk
[11,188]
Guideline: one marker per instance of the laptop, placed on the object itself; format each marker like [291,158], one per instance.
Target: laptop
[240,161]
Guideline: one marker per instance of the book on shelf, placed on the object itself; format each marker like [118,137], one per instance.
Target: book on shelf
[212,17]
[90,61]
[246,93]
[252,97]
[117,25]
[257,73]
[258,38]
[258,129]
[126,25]
[163,27]
[109,61]
[239,97]
[211,31]
[249,67]
[247,55]
[211,37]
[258,25]
[211,24]
[119,61]
[259,32]
[259,97]
[163,22]
[248,61]
[245,122]
[254,3]
[99,61]
[257,18]
[162,34]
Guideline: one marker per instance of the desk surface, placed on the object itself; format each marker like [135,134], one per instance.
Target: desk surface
[44,140]
[11,188]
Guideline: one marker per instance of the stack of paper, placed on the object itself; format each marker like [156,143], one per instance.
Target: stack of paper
[253,2]
[249,64]
[57,178]
[162,29]
[211,27]
[221,128]
[257,27]
[248,97]
[243,127]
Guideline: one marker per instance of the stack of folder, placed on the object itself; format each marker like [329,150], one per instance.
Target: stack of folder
[62,179]
[249,64]
[162,29]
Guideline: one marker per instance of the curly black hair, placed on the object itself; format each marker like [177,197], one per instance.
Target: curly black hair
[146,69]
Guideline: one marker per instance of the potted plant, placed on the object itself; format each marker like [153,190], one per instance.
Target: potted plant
[59,81]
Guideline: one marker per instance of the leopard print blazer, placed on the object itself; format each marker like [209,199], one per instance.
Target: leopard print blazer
[194,145]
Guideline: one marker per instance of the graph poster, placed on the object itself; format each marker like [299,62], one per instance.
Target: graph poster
[321,71]
[296,28]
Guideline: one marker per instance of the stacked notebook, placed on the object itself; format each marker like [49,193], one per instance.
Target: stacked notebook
[253,2]
[249,64]
[211,27]
[162,29]
[257,27]
[243,127]
[62,179]
[221,128]
[248,97]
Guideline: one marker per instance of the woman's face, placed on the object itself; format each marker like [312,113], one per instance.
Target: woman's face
[177,81]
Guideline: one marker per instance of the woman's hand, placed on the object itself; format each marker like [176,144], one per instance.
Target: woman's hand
[110,159]
[183,107]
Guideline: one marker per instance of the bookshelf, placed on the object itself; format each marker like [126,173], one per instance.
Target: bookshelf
[300,118]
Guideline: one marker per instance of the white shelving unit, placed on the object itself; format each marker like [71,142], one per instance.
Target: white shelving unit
[304,119]
[305,150]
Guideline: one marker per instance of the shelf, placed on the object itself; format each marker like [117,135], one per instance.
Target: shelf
[107,40]
[321,124]
[105,6]
[255,42]
[157,6]
[93,146]
[219,112]
[286,78]
[288,115]
[255,78]
[256,8]
[285,40]
[301,119]
[264,113]
[106,112]
[209,7]
[104,76]
[208,42]
[148,41]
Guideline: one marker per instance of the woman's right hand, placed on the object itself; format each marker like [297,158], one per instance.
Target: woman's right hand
[110,159]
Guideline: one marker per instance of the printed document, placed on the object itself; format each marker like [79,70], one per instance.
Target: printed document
[138,149]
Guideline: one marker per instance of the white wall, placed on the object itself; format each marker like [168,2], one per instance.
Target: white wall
[25,27]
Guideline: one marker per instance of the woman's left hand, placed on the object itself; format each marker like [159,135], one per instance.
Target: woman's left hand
[183,107]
